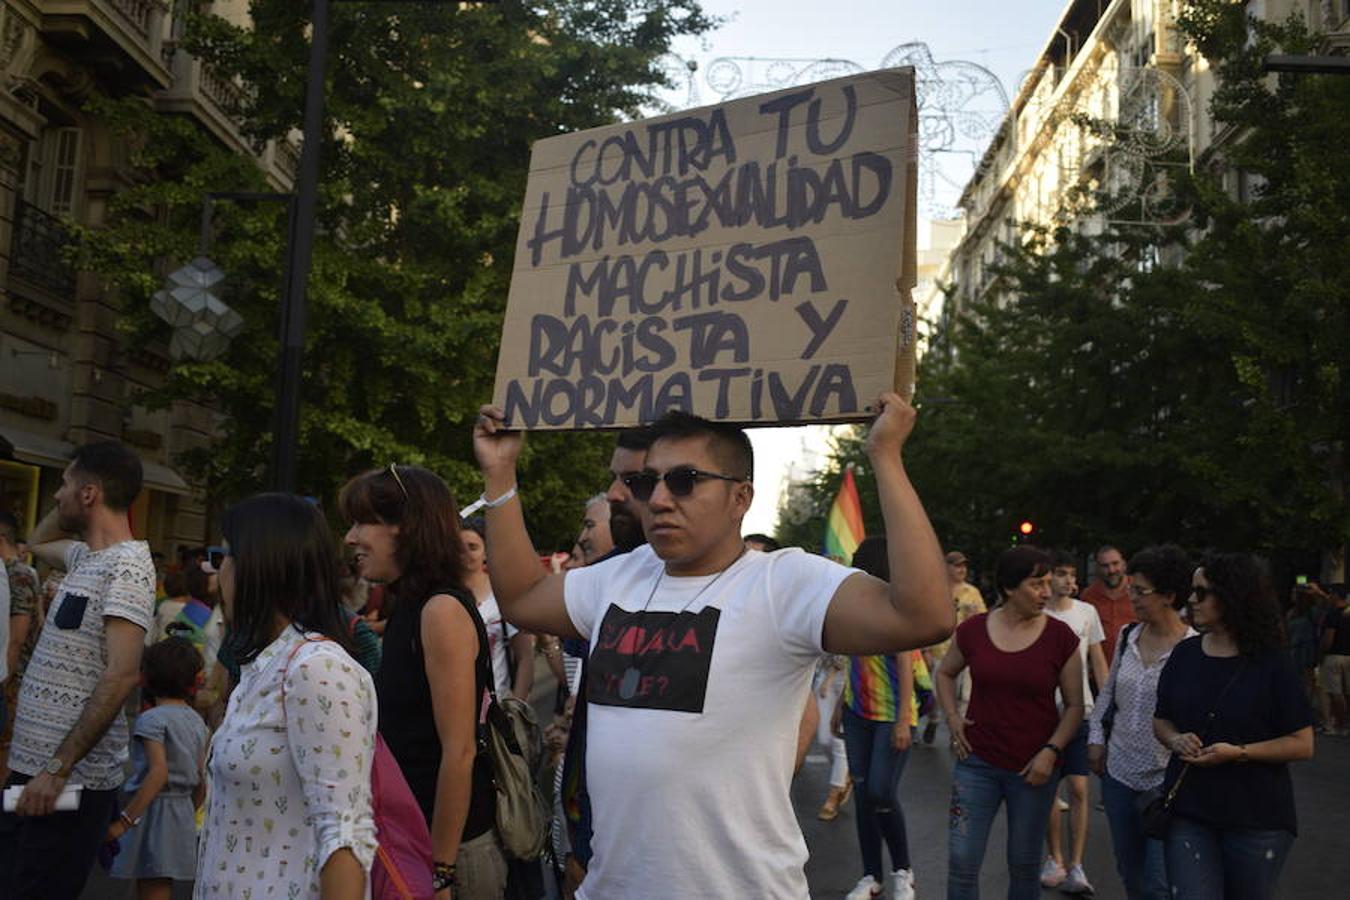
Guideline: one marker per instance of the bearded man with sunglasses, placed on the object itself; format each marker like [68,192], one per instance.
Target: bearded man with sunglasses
[702,653]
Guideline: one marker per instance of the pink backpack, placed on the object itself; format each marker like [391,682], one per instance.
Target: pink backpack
[403,859]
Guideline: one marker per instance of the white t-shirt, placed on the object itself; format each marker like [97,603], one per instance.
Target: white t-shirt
[694,702]
[1087,624]
[491,614]
[71,656]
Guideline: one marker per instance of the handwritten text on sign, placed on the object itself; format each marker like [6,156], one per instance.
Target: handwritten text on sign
[739,262]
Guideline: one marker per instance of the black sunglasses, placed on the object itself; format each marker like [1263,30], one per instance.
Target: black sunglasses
[680,482]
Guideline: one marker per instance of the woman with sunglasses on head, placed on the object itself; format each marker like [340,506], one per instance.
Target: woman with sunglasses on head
[405,534]
[1233,713]
[1009,743]
[289,768]
[1121,747]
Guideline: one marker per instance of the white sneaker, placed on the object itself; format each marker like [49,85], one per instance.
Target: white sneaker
[865,889]
[1076,882]
[902,884]
[1052,873]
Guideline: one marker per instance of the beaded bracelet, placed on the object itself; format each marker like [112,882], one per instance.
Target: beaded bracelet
[442,876]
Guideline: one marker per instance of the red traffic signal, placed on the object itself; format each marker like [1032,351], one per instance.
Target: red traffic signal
[1026,527]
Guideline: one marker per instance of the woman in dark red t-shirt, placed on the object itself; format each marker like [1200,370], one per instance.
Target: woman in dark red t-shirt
[1009,742]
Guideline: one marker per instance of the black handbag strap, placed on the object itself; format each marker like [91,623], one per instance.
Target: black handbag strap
[1209,721]
[1115,666]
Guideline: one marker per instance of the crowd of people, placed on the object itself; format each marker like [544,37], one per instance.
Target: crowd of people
[694,668]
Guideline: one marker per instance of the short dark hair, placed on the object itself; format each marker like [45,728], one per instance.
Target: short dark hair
[1104,548]
[635,439]
[476,524]
[1017,564]
[769,543]
[170,668]
[9,526]
[729,443]
[1168,567]
[115,467]
[198,583]
[872,558]
[285,564]
[1063,559]
[429,551]
[175,584]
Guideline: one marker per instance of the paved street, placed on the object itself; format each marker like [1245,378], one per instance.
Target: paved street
[1319,861]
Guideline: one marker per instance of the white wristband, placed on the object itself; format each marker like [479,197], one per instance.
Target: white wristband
[484,503]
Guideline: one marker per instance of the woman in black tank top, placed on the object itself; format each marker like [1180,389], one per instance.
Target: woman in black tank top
[405,533]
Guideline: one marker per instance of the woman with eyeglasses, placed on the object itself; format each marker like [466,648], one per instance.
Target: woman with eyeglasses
[289,768]
[1233,713]
[1121,747]
[405,534]
[1009,743]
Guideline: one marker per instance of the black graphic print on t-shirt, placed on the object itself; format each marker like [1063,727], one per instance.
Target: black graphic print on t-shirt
[653,660]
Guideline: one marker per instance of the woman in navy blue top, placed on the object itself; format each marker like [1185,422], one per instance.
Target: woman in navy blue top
[1232,711]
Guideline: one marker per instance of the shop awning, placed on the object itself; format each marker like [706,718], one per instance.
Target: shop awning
[43,450]
[37,448]
[160,477]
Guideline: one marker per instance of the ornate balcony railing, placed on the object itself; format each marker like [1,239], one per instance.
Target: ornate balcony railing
[135,27]
[139,14]
[36,252]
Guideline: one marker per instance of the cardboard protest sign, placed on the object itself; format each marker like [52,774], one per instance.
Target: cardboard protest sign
[749,262]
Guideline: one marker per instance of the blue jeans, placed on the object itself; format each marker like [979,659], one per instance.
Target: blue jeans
[1208,863]
[876,768]
[1139,859]
[977,791]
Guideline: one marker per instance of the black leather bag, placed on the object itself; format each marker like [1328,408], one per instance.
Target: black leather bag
[1155,807]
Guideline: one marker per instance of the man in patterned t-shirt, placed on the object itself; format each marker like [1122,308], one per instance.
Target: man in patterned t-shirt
[69,729]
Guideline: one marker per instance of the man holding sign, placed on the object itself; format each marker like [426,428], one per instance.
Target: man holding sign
[702,653]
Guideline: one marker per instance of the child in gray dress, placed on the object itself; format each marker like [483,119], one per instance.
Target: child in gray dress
[157,827]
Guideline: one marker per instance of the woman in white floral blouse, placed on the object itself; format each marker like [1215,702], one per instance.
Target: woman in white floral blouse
[290,809]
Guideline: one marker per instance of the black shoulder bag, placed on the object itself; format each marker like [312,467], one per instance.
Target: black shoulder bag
[1155,807]
[1109,717]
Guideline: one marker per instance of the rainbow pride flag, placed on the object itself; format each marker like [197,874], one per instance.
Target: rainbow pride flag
[844,526]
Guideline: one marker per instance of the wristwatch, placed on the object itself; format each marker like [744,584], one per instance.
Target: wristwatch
[55,767]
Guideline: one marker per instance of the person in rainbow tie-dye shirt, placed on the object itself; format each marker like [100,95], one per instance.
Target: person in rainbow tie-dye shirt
[876,717]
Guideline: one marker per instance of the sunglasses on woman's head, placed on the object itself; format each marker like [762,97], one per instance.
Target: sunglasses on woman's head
[679,481]
[393,470]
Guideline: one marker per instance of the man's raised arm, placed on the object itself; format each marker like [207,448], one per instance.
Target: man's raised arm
[48,542]
[529,597]
[914,610]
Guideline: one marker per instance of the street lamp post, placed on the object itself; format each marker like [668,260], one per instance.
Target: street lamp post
[286,437]
[299,258]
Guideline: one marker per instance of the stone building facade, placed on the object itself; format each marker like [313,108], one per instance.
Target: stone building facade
[66,375]
[1122,64]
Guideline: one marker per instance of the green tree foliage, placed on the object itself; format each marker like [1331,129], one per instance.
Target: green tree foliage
[433,108]
[1107,397]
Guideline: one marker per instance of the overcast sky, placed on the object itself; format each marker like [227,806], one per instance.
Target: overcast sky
[1002,35]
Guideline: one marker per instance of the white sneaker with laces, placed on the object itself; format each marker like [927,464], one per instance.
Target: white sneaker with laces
[865,889]
[902,884]
[1052,873]
[1076,882]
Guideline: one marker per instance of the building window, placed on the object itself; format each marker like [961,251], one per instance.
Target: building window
[52,182]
